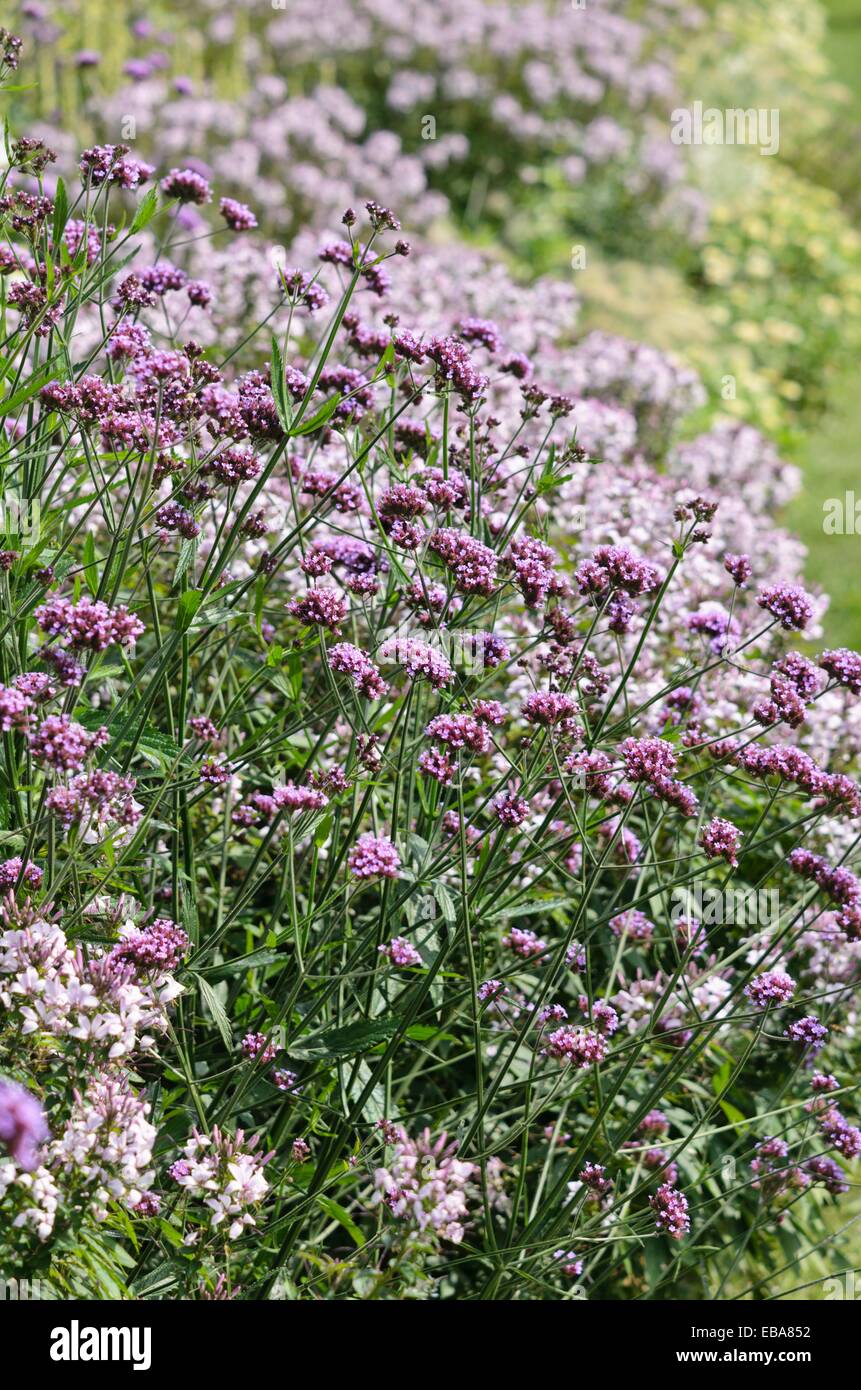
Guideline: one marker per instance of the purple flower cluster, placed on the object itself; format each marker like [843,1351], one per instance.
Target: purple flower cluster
[844,667]
[594,1178]
[581,1047]
[113,164]
[524,942]
[158,947]
[461,731]
[634,925]
[771,987]
[258,1048]
[721,840]
[455,368]
[352,662]
[739,567]
[824,1170]
[614,566]
[808,1031]
[187,186]
[374,856]
[320,608]
[13,869]
[510,808]
[791,604]
[839,883]
[62,744]
[400,952]
[238,217]
[418,659]
[473,564]
[671,1211]
[652,761]
[840,1134]
[89,625]
[550,708]
[836,790]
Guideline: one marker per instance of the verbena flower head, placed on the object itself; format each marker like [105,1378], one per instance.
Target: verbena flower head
[238,217]
[156,948]
[401,952]
[721,840]
[671,1212]
[187,186]
[374,856]
[791,604]
[771,987]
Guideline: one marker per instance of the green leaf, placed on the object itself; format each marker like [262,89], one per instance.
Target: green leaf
[91,573]
[734,1115]
[283,404]
[654,1261]
[323,414]
[187,553]
[164,1274]
[374,1107]
[252,961]
[293,666]
[151,739]
[446,902]
[323,830]
[213,617]
[216,1010]
[347,1042]
[259,596]
[23,395]
[423,1032]
[147,209]
[336,1212]
[190,918]
[61,212]
[187,607]
[387,358]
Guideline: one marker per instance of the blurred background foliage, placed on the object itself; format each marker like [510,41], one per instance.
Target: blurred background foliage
[766,293]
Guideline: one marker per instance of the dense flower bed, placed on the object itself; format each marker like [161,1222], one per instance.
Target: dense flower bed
[428,811]
[543,125]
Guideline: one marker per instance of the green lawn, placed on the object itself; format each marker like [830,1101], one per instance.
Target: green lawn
[832,455]
[831,470]
[843,45]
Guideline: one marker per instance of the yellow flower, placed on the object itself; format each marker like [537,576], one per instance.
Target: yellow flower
[791,390]
[779,331]
[749,332]
[759,265]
